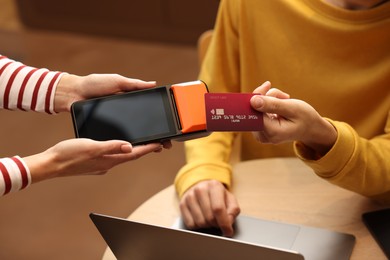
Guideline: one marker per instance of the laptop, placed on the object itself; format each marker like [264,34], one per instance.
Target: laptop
[254,239]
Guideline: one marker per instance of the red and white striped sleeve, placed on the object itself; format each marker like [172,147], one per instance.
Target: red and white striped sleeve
[14,175]
[27,88]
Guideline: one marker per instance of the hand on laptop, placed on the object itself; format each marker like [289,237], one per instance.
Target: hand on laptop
[209,204]
[85,157]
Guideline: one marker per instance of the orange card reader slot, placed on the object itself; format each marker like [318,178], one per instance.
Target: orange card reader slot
[190,105]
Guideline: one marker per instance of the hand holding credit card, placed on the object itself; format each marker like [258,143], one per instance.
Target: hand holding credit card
[232,112]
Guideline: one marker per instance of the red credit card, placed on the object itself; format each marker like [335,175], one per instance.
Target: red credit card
[232,112]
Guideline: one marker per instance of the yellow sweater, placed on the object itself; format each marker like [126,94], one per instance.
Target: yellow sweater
[334,59]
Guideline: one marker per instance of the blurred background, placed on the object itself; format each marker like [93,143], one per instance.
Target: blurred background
[150,40]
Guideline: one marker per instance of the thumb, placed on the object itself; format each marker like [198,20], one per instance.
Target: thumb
[257,102]
[272,105]
[116,147]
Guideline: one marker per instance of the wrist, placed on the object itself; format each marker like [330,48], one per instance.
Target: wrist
[322,139]
[66,92]
[39,166]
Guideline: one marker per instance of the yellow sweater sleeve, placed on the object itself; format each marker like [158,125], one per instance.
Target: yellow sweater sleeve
[355,163]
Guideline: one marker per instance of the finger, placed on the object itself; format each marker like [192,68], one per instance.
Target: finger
[220,212]
[263,89]
[136,153]
[195,211]
[119,148]
[128,84]
[110,147]
[141,150]
[159,150]
[167,144]
[277,93]
[186,214]
[261,137]
[126,148]
[118,82]
[132,84]
[233,210]
[205,206]
[271,105]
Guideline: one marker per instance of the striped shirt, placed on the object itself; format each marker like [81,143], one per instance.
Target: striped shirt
[28,89]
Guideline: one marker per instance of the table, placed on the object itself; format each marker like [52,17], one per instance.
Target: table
[285,190]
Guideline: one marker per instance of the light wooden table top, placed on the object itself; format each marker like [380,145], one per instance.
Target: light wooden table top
[285,190]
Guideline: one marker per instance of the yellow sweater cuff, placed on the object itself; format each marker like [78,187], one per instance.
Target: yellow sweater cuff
[332,163]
